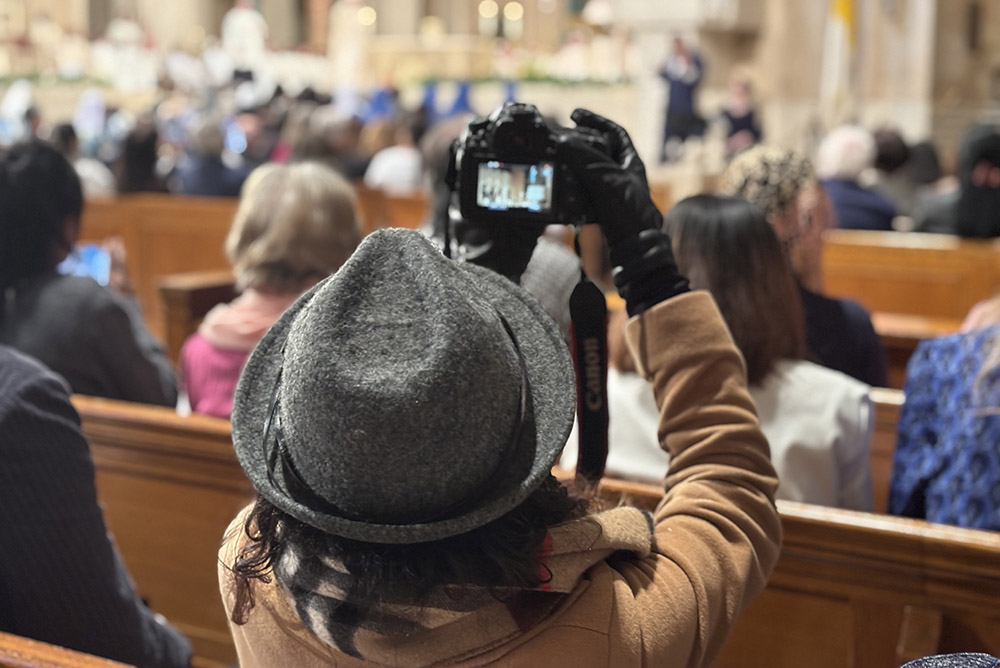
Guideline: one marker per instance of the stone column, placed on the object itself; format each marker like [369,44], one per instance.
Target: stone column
[283,23]
[317,24]
[174,27]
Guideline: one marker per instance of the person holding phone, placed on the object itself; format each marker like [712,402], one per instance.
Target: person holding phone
[93,336]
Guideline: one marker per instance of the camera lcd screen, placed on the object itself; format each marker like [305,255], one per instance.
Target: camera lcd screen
[505,186]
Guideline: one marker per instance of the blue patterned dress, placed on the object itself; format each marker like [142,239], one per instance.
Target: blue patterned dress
[947,464]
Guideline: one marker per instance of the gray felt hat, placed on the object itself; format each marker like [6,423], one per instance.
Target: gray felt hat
[404,399]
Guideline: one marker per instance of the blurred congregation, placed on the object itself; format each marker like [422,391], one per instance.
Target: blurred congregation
[180,185]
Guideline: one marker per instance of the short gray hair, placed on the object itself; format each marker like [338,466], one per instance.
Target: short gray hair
[206,137]
[295,224]
[845,153]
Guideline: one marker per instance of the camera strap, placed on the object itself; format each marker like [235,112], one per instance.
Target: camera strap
[589,341]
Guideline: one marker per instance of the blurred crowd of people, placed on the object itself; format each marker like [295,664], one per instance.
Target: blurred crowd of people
[791,365]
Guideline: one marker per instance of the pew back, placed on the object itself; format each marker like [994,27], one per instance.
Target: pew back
[186,298]
[169,234]
[887,404]
[18,652]
[860,590]
[934,275]
[849,588]
[379,210]
[163,234]
[169,485]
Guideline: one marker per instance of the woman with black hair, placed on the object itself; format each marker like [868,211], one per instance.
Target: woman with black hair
[91,335]
[978,210]
[818,421]
[136,169]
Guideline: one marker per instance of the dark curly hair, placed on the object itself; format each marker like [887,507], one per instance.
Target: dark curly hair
[39,192]
[502,553]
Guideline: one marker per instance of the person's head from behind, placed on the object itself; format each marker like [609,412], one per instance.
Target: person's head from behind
[41,200]
[781,183]
[64,138]
[206,138]
[891,150]
[136,168]
[295,132]
[725,245]
[924,164]
[435,153]
[410,127]
[295,225]
[979,186]
[401,420]
[845,153]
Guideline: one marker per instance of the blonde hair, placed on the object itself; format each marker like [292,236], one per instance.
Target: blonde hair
[295,224]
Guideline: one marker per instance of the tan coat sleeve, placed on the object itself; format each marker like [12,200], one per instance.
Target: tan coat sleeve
[717,532]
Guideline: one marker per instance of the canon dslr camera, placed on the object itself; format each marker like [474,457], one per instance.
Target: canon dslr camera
[506,169]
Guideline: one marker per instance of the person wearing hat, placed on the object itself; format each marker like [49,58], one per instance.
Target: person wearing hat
[400,422]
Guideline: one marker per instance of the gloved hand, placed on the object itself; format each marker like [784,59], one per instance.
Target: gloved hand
[615,182]
[645,271]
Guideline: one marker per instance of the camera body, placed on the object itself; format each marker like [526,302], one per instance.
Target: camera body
[507,170]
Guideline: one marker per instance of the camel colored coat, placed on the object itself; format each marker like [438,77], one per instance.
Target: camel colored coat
[627,589]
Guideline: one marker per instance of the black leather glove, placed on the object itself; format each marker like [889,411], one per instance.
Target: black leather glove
[645,272]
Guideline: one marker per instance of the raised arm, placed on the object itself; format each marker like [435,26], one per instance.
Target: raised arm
[717,532]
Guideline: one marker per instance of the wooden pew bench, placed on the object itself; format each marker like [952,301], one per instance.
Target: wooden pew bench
[170,234]
[900,333]
[18,652]
[932,275]
[169,486]
[887,404]
[860,590]
[163,234]
[848,589]
[379,210]
[186,298]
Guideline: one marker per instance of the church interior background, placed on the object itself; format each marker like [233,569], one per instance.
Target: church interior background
[930,68]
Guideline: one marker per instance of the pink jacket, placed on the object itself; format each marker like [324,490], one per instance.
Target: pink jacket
[212,358]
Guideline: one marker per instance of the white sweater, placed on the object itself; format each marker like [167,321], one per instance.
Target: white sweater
[818,422]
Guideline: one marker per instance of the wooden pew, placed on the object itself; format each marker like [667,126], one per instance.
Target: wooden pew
[163,234]
[378,210]
[18,652]
[169,234]
[887,404]
[186,298]
[860,590]
[932,275]
[169,485]
[900,333]
[848,589]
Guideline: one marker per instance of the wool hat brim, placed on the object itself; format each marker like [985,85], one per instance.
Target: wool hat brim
[552,389]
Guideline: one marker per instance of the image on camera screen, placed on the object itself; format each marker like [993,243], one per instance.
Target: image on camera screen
[509,186]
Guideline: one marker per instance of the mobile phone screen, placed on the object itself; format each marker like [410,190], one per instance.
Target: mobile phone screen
[504,186]
[88,260]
